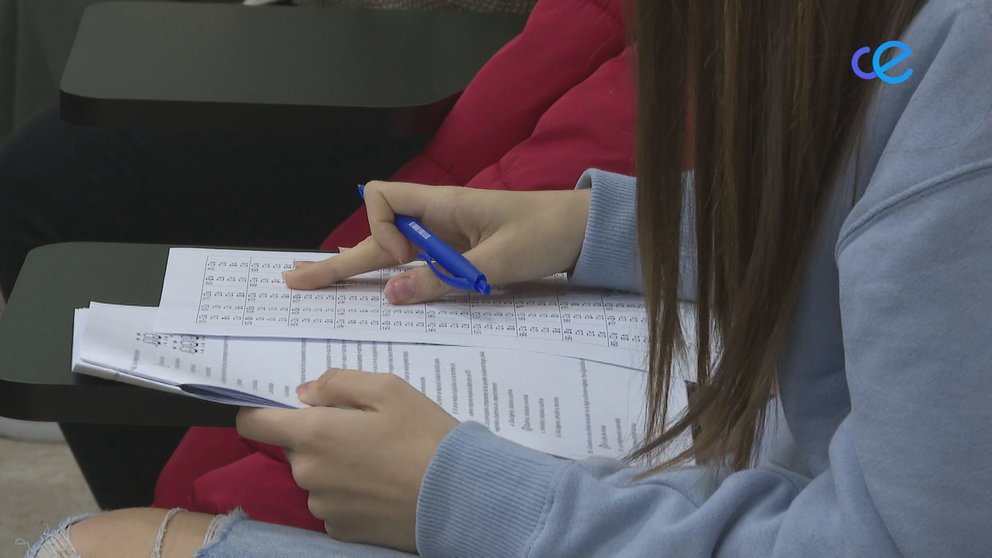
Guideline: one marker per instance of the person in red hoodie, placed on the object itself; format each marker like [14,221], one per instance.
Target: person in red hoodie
[555,101]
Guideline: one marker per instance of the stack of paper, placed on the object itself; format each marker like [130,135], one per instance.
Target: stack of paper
[554,368]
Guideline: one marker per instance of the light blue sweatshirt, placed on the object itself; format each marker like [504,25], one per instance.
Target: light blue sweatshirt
[883,446]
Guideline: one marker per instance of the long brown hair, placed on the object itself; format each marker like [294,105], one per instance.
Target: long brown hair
[760,97]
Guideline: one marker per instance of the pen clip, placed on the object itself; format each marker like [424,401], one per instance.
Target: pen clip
[456,282]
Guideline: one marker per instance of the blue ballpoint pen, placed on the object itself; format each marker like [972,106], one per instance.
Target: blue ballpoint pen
[464,275]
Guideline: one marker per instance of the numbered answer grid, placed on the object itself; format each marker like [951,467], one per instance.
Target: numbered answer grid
[249,291]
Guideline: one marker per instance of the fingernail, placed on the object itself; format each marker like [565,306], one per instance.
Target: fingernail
[303,387]
[399,290]
[301,264]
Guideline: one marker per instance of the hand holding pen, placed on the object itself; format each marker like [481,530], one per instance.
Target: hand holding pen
[508,237]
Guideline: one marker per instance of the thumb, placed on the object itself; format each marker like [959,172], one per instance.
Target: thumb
[342,388]
[422,284]
[415,285]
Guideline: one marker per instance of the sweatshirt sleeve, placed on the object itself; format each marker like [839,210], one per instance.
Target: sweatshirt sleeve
[609,257]
[908,470]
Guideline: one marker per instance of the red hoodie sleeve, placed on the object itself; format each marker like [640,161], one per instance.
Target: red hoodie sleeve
[591,126]
[563,43]
[555,101]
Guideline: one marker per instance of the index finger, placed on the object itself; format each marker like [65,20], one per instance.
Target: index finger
[406,198]
[384,200]
[367,255]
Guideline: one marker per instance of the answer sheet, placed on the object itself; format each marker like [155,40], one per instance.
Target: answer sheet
[569,407]
[241,293]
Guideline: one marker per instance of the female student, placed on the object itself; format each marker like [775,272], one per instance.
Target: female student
[576,112]
[835,239]
[60,182]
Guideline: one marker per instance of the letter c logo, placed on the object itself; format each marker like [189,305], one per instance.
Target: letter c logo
[856,66]
[876,62]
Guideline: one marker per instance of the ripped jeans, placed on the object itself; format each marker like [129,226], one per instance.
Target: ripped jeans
[229,536]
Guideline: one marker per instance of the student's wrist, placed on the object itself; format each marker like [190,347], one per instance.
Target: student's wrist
[578,216]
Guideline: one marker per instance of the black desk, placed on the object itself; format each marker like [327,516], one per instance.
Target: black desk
[36,337]
[230,67]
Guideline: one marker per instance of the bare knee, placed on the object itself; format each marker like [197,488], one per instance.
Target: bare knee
[133,533]
[117,533]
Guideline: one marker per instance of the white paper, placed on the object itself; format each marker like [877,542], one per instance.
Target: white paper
[241,293]
[569,407]
[91,369]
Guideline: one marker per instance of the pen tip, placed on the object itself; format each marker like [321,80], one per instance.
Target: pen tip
[483,286]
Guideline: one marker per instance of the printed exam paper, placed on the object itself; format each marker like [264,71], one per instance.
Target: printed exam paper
[241,293]
[565,406]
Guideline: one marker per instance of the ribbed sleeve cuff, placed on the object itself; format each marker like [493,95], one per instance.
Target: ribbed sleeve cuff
[483,495]
[609,251]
